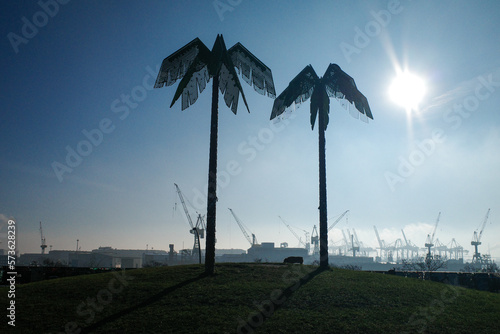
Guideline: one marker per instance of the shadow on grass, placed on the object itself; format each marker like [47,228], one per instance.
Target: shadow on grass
[145,303]
[268,307]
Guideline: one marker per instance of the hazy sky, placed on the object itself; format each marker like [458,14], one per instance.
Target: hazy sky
[71,68]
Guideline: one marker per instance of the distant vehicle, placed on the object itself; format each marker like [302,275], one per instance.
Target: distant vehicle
[294,259]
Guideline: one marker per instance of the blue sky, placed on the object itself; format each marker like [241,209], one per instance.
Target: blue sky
[91,65]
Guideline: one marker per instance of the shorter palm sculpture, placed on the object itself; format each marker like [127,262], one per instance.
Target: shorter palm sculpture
[195,65]
[335,83]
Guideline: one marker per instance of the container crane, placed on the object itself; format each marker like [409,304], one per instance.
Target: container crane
[362,248]
[430,238]
[43,245]
[356,237]
[410,247]
[383,247]
[404,237]
[476,239]
[380,242]
[407,245]
[197,230]
[456,250]
[253,241]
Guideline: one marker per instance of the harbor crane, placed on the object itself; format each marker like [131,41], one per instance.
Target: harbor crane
[315,240]
[197,230]
[404,236]
[43,244]
[407,245]
[353,247]
[253,241]
[410,247]
[364,250]
[381,244]
[476,239]
[306,244]
[456,250]
[429,242]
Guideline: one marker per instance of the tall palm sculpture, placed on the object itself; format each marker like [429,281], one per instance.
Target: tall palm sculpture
[335,83]
[195,65]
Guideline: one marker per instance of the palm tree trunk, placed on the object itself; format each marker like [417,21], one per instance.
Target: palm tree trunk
[212,181]
[323,224]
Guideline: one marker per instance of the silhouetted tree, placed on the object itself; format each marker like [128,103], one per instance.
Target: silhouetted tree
[425,264]
[195,65]
[335,83]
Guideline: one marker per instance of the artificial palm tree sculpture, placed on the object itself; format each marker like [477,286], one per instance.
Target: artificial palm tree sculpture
[335,83]
[195,65]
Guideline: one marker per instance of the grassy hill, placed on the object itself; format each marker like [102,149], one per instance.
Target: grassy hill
[248,298]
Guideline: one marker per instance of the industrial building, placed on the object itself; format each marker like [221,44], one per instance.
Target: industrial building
[266,252]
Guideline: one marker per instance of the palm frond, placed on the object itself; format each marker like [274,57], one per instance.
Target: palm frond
[176,65]
[340,85]
[229,84]
[253,71]
[194,81]
[298,91]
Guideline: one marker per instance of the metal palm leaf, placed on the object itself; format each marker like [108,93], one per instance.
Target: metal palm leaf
[195,65]
[334,83]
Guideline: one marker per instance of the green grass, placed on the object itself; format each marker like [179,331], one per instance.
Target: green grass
[181,300]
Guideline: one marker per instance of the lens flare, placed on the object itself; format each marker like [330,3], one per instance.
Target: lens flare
[407,90]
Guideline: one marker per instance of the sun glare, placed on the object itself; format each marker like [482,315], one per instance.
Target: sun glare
[407,90]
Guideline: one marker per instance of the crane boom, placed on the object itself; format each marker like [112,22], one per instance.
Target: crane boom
[184,206]
[345,239]
[356,236]
[378,237]
[435,227]
[404,236]
[240,224]
[484,225]
[338,219]
[293,232]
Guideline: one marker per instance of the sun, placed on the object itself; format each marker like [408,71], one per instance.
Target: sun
[407,90]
